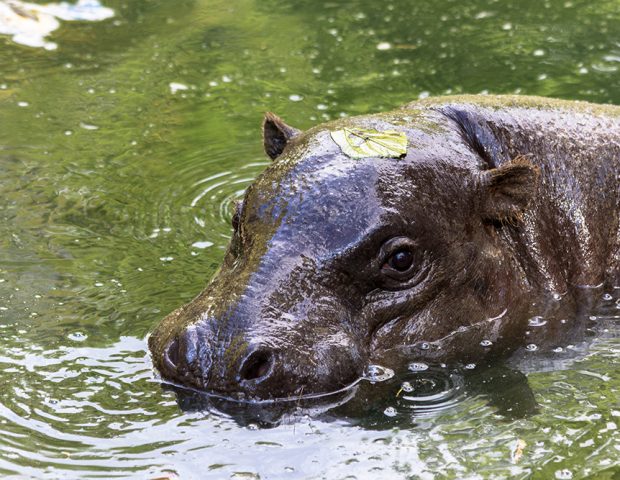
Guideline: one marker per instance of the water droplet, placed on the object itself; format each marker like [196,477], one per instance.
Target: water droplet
[226,79]
[384,46]
[418,367]
[177,87]
[536,321]
[470,366]
[594,318]
[22,104]
[507,26]
[558,349]
[202,245]
[295,98]
[87,126]
[531,347]
[166,259]
[486,343]
[557,296]
[607,297]
[424,346]
[563,474]
[539,52]
[390,412]
[68,132]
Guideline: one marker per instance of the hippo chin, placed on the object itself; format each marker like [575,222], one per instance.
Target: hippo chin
[503,209]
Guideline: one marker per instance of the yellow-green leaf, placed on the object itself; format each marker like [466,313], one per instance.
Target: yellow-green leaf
[364,143]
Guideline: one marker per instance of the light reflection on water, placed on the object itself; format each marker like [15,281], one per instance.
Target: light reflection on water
[115,203]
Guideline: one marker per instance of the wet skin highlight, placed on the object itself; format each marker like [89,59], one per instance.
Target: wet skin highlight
[503,208]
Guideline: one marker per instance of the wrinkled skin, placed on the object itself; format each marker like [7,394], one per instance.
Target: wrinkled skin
[503,208]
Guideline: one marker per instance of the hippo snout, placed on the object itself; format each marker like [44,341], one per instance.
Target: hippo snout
[187,359]
[255,365]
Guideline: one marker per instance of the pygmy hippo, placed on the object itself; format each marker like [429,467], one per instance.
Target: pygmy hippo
[499,209]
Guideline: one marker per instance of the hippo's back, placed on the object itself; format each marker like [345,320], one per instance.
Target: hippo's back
[574,221]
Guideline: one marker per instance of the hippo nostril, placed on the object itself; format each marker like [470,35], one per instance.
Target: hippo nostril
[257,365]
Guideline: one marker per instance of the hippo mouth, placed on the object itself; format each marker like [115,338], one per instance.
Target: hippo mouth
[258,366]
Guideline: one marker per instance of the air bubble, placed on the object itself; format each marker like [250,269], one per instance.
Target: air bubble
[418,367]
[486,343]
[531,347]
[470,366]
[377,373]
[563,474]
[424,346]
[558,349]
[390,412]
[77,336]
[607,297]
[407,387]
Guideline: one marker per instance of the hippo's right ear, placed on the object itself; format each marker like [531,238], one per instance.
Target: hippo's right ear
[506,191]
[276,135]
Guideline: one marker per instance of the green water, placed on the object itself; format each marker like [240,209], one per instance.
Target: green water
[115,199]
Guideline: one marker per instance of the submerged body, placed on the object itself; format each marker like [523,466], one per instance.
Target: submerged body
[503,209]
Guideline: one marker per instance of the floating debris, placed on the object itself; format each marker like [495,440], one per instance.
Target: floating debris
[29,23]
[365,143]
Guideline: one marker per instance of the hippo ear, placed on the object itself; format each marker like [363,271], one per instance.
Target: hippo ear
[276,135]
[506,191]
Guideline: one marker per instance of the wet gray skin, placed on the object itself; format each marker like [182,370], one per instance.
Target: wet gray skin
[501,206]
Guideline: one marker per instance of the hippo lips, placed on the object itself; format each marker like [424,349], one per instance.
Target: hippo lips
[167,370]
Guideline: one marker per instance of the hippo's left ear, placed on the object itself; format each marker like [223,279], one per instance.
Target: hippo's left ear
[506,191]
[276,135]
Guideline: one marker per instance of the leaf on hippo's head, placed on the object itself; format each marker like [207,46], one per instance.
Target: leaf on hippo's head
[364,143]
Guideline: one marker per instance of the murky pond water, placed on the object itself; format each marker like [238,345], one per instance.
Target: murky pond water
[121,148]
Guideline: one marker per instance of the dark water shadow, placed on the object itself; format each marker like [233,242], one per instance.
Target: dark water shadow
[403,400]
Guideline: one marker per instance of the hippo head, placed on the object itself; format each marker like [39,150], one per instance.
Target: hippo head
[336,263]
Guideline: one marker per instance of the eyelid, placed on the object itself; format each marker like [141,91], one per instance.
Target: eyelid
[393,245]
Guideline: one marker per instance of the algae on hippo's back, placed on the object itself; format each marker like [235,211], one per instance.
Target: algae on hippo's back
[364,143]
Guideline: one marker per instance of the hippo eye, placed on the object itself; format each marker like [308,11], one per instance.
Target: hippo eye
[398,259]
[401,260]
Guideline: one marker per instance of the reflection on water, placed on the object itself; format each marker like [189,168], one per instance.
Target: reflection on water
[122,152]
